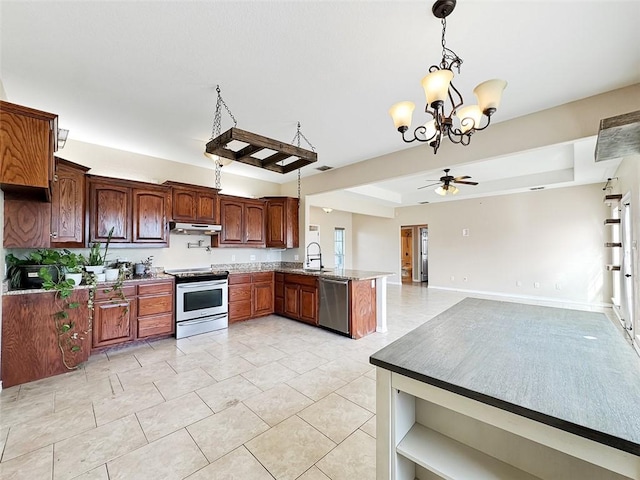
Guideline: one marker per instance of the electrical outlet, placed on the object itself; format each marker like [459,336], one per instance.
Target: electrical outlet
[558,286]
[252,258]
[453,279]
[536,284]
[518,283]
[465,232]
[465,279]
[296,257]
[233,258]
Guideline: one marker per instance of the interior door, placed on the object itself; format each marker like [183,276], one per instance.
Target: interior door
[424,264]
[626,304]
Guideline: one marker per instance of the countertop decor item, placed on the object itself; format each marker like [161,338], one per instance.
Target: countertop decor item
[97,259]
[439,89]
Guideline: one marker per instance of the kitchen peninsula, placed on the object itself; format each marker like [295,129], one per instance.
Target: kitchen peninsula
[493,390]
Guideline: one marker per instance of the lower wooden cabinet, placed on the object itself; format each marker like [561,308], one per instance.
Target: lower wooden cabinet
[251,295]
[113,317]
[145,311]
[363,307]
[299,299]
[30,348]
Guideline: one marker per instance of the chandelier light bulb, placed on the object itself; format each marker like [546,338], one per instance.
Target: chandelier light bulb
[469,117]
[401,114]
[489,94]
[436,87]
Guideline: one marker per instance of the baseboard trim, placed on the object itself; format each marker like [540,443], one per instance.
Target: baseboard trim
[555,302]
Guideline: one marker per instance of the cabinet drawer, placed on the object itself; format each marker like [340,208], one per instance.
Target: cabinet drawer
[155,288]
[239,311]
[239,293]
[155,325]
[104,292]
[262,277]
[154,304]
[236,278]
[301,279]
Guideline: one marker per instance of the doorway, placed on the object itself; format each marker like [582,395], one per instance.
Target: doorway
[406,254]
[414,244]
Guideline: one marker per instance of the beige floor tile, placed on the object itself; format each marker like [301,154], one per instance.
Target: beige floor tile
[4,432]
[229,367]
[128,349]
[108,366]
[89,450]
[353,458]
[228,393]
[263,356]
[370,427]
[223,432]
[172,457]
[21,411]
[125,403]
[228,349]
[164,354]
[88,392]
[313,474]
[173,415]
[292,344]
[237,465]
[146,374]
[32,466]
[193,360]
[302,362]
[316,384]
[9,395]
[335,416]
[278,404]
[183,383]
[99,473]
[290,448]
[270,375]
[51,384]
[34,434]
[371,373]
[345,368]
[361,391]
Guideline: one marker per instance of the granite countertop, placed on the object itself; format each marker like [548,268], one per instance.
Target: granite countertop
[24,291]
[341,274]
[569,369]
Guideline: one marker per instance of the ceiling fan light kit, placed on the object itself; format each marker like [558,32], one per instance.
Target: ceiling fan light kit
[446,188]
[439,90]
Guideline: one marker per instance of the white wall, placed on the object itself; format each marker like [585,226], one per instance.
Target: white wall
[553,237]
[327,223]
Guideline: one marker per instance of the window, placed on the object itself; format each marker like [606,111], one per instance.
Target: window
[338,237]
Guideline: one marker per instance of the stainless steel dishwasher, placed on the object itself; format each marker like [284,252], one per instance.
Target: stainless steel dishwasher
[334,305]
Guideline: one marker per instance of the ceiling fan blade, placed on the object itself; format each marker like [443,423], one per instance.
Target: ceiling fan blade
[464,177]
[430,185]
[466,183]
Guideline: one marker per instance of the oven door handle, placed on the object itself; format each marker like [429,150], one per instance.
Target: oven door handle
[199,285]
[201,320]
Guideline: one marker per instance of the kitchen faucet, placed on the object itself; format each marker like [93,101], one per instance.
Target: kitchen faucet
[315,256]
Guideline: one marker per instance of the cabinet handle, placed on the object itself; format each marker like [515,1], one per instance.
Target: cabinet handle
[55,177]
[53,234]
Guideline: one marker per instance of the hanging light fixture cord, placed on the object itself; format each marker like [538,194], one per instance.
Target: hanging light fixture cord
[217,128]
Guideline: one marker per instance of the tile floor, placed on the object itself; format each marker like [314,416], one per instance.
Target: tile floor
[267,398]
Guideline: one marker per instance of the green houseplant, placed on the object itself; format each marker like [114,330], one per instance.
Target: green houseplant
[24,272]
[96,260]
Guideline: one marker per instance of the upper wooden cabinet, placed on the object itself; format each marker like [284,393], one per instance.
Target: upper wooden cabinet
[28,140]
[30,223]
[282,222]
[194,204]
[138,212]
[243,223]
[68,205]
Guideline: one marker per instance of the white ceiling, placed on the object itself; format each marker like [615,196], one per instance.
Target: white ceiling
[141,76]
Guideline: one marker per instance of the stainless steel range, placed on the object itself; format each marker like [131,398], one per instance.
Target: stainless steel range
[201,300]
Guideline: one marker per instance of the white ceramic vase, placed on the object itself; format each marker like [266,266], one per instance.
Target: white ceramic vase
[94,268]
[76,277]
[112,274]
[101,277]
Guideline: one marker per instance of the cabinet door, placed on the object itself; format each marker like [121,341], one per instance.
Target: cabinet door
[184,205]
[309,304]
[27,223]
[276,223]
[254,224]
[262,299]
[207,211]
[28,144]
[363,307]
[231,214]
[109,206]
[292,300]
[150,216]
[113,322]
[67,207]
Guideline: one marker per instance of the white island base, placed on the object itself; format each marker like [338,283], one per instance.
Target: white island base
[425,432]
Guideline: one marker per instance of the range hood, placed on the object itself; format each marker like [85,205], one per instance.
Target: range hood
[194,228]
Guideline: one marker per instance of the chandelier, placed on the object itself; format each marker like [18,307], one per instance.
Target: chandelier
[444,101]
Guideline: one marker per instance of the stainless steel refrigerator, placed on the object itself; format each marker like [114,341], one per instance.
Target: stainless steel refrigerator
[424,262]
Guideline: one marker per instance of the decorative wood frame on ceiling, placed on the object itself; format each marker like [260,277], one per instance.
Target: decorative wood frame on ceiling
[618,136]
[275,162]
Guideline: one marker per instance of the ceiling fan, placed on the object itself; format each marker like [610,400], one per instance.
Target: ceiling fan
[447,180]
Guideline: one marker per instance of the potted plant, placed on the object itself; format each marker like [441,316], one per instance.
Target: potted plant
[97,259]
[25,272]
[73,265]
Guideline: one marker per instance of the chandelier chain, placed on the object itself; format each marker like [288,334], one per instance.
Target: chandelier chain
[447,53]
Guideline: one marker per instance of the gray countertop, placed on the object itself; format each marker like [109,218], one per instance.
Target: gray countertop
[341,274]
[569,369]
